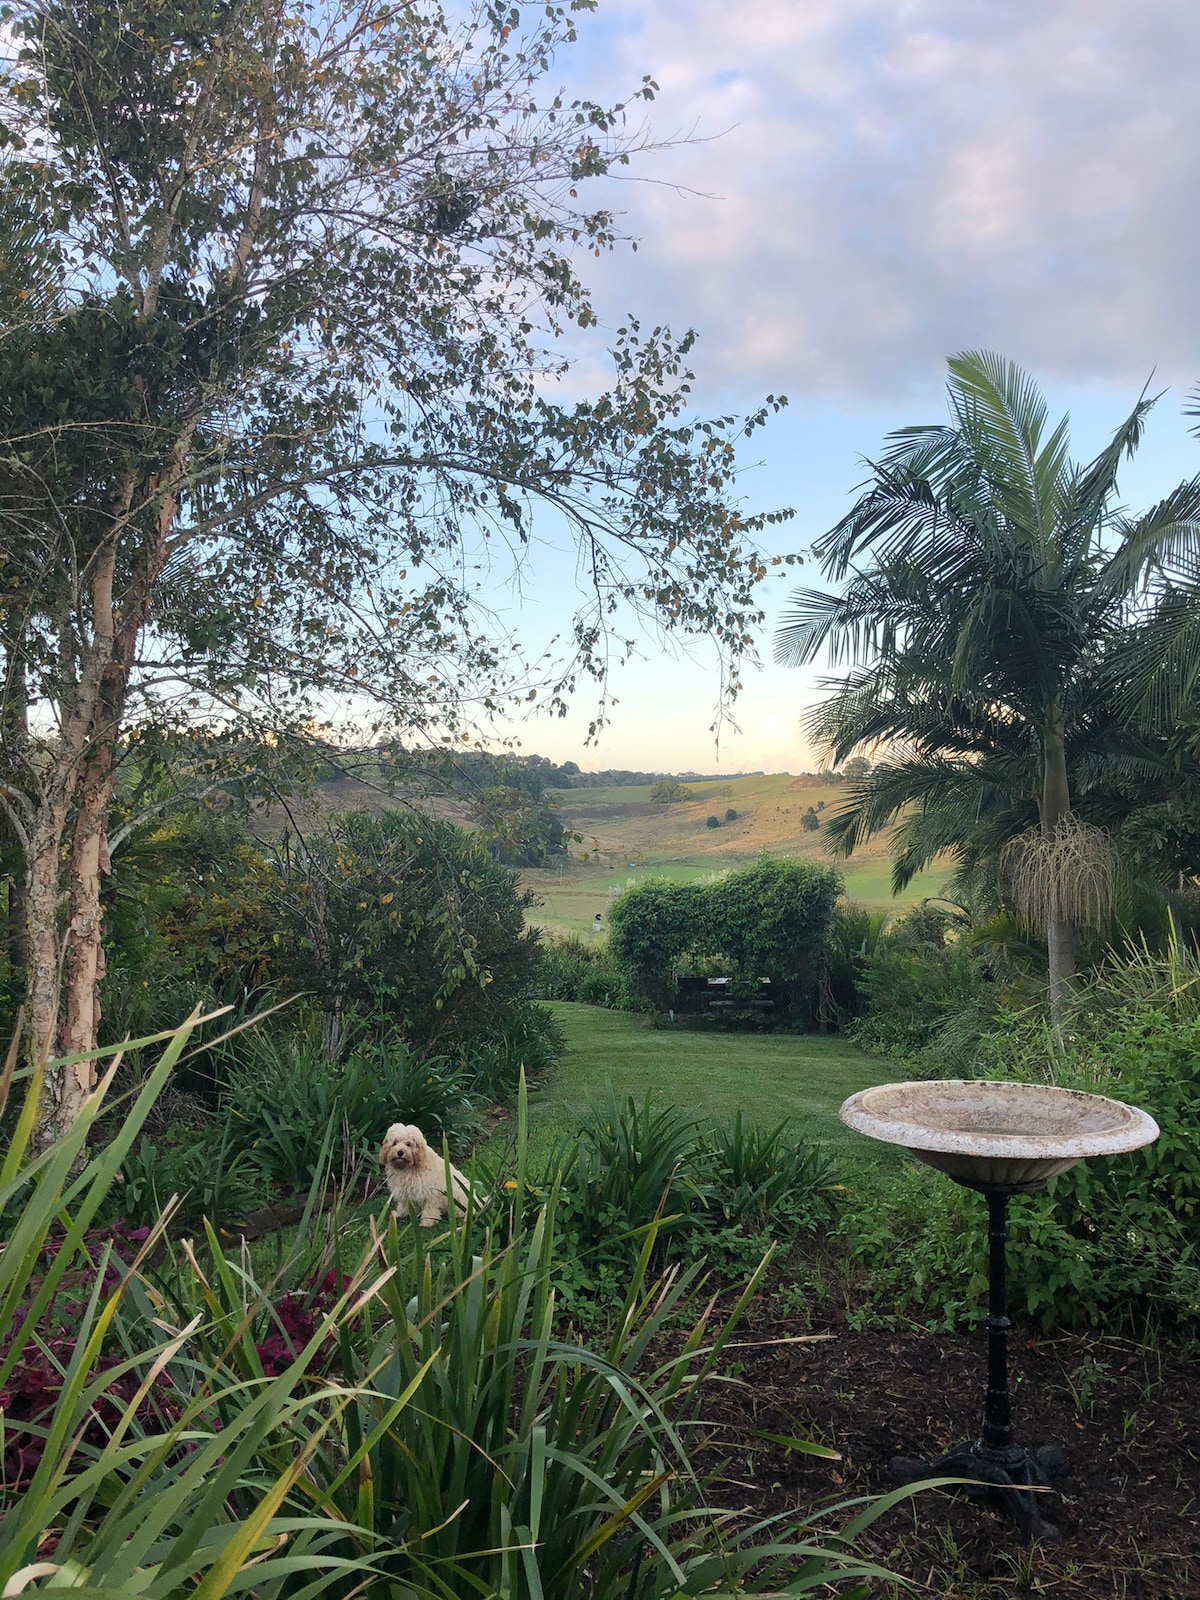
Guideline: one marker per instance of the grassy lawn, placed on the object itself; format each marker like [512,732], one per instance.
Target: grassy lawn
[803,1077]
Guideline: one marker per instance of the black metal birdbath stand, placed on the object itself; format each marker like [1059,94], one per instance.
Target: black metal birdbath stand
[1000,1139]
[996,1468]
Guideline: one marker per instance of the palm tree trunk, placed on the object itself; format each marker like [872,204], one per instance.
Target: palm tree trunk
[1055,808]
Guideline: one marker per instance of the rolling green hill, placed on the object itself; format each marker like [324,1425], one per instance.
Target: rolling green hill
[626,835]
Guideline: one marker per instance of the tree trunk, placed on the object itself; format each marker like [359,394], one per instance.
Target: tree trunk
[84,734]
[84,947]
[14,750]
[1060,939]
[43,972]
[84,943]
[1056,808]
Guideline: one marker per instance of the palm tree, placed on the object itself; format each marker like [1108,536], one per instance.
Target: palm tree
[1158,661]
[985,577]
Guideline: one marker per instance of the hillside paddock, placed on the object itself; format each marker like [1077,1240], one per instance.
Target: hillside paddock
[626,835]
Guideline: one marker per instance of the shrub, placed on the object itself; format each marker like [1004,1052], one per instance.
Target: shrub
[201,1167]
[538,1465]
[1150,1058]
[919,992]
[766,1177]
[408,917]
[668,792]
[462,1447]
[731,815]
[810,822]
[854,936]
[286,1099]
[712,822]
[569,969]
[635,1164]
[179,1461]
[770,920]
[191,913]
[710,1193]
[1107,1236]
[529,1043]
[518,828]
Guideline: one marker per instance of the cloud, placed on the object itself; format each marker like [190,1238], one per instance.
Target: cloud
[896,179]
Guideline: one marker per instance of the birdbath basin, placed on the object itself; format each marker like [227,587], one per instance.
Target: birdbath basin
[993,1136]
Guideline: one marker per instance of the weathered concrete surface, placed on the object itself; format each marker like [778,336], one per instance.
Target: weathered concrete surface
[996,1134]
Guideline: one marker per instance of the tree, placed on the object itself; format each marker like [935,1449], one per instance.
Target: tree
[810,822]
[731,814]
[519,829]
[407,917]
[712,822]
[1157,664]
[667,792]
[770,920]
[285,394]
[856,768]
[979,603]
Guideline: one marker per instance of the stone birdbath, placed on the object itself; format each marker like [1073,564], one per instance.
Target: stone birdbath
[1000,1138]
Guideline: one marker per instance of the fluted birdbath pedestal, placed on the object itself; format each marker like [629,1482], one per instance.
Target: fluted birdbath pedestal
[1000,1139]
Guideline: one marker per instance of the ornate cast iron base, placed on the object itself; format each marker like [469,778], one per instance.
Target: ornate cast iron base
[1011,1479]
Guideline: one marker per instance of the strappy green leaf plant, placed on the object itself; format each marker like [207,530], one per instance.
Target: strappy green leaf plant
[433,1431]
[161,1472]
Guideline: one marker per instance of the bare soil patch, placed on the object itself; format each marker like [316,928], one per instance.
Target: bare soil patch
[1126,1411]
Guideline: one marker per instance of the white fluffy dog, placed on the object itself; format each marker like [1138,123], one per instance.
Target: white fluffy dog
[416,1174]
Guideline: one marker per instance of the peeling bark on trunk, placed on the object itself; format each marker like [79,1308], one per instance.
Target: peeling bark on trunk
[79,964]
[88,861]
[44,961]
[85,926]
[57,952]
[14,749]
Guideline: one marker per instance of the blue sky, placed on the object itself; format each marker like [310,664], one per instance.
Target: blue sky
[875,183]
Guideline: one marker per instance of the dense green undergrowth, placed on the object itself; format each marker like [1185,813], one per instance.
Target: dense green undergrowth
[1110,1243]
[412,1421]
[1111,1239]
[279,1110]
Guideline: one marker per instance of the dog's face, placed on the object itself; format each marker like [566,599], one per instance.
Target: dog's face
[403,1149]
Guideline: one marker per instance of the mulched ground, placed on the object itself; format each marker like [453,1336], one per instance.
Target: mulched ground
[1126,1412]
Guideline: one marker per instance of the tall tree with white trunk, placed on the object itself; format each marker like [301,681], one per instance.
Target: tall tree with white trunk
[279,387]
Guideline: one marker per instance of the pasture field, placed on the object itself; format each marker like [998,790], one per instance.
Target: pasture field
[626,835]
[769,1077]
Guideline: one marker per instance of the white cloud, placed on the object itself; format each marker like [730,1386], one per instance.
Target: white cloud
[900,178]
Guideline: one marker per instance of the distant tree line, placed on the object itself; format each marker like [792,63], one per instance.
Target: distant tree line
[464,772]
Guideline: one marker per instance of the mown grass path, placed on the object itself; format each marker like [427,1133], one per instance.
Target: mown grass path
[803,1077]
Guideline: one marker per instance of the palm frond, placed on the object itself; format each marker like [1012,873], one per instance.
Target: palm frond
[1093,486]
[1168,533]
[1000,408]
[1159,662]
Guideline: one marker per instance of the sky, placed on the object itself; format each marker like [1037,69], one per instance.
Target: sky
[856,189]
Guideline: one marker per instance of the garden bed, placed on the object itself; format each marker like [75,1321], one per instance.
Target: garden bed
[1127,1414]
